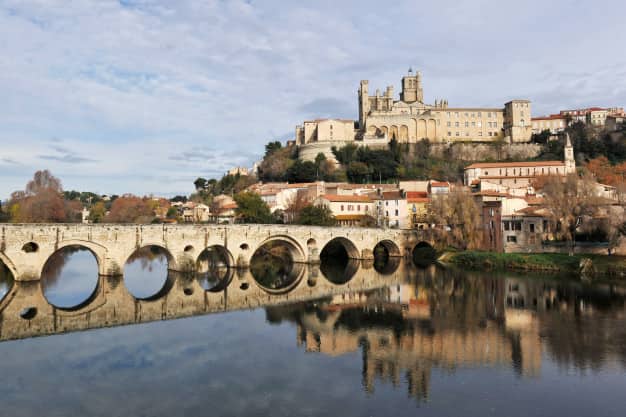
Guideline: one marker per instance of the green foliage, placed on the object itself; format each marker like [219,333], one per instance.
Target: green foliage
[346,154]
[542,137]
[172,213]
[252,209]
[200,184]
[302,171]
[588,144]
[316,216]
[357,172]
[272,147]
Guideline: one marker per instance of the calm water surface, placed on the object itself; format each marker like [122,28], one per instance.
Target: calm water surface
[350,340]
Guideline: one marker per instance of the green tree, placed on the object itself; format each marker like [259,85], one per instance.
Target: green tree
[97,212]
[272,147]
[252,209]
[316,216]
[172,213]
[541,137]
[346,154]
[357,171]
[302,171]
[200,183]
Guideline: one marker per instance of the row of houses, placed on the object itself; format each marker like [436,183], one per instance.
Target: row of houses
[610,118]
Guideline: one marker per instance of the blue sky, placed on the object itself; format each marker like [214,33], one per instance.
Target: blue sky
[144,96]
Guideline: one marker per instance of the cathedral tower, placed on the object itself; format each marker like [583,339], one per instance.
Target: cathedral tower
[412,88]
[570,162]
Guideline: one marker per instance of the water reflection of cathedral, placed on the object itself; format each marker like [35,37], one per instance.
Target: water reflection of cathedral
[406,330]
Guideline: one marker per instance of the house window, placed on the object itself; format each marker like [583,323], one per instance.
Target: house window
[456,124]
[396,212]
[466,124]
[511,239]
[449,124]
[358,208]
[531,227]
[507,225]
[342,207]
[449,133]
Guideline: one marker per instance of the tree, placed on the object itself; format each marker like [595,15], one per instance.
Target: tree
[130,209]
[172,213]
[200,184]
[97,212]
[346,154]
[302,171]
[275,165]
[40,202]
[272,147]
[252,209]
[319,215]
[567,201]
[357,171]
[295,204]
[43,180]
[542,138]
[457,219]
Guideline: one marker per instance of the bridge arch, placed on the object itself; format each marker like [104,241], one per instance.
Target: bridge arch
[221,251]
[97,250]
[172,264]
[296,250]
[423,254]
[10,266]
[390,246]
[351,250]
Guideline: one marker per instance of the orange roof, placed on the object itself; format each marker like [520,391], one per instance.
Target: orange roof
[347,198]
[392,195]
[492,193]
[439,184]
[416,194]
[515,164]
[351,216]
[533,200]
[550,117]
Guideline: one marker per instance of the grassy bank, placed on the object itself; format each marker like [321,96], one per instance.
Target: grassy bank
[614,266]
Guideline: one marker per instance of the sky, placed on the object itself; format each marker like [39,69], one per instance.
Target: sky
[144,96]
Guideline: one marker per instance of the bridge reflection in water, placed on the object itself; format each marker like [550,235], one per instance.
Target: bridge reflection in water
[404,321]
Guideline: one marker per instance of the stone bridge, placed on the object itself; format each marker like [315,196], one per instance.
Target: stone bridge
[25,248]
[25,311]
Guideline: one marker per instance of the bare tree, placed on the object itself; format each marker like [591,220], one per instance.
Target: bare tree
[456,217]
[568,199]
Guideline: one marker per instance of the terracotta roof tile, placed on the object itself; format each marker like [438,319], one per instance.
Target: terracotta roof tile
[515,164]
[347,198]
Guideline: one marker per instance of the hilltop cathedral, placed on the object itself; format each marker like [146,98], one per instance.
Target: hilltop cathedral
[409,120]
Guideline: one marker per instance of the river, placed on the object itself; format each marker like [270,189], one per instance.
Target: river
[349,339]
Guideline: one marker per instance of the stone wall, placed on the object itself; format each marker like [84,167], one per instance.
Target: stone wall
[485,151]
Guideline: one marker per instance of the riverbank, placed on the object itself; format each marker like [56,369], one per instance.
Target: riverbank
[601,265]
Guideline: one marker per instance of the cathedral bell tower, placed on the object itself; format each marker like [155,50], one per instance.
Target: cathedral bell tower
[570,162]
[412,88]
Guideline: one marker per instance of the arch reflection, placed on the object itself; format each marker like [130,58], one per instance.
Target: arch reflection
[69,278]
[6,280]
[213,268]
[337,261]
[274,267]
[146,274]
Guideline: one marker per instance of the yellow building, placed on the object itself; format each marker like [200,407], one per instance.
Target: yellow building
[382,118]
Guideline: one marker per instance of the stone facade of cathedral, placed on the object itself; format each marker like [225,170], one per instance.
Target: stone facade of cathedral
[382,118]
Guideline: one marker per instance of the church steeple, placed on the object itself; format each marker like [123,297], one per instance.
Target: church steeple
[570,162]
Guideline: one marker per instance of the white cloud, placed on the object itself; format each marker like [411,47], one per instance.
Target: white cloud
[136,83]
